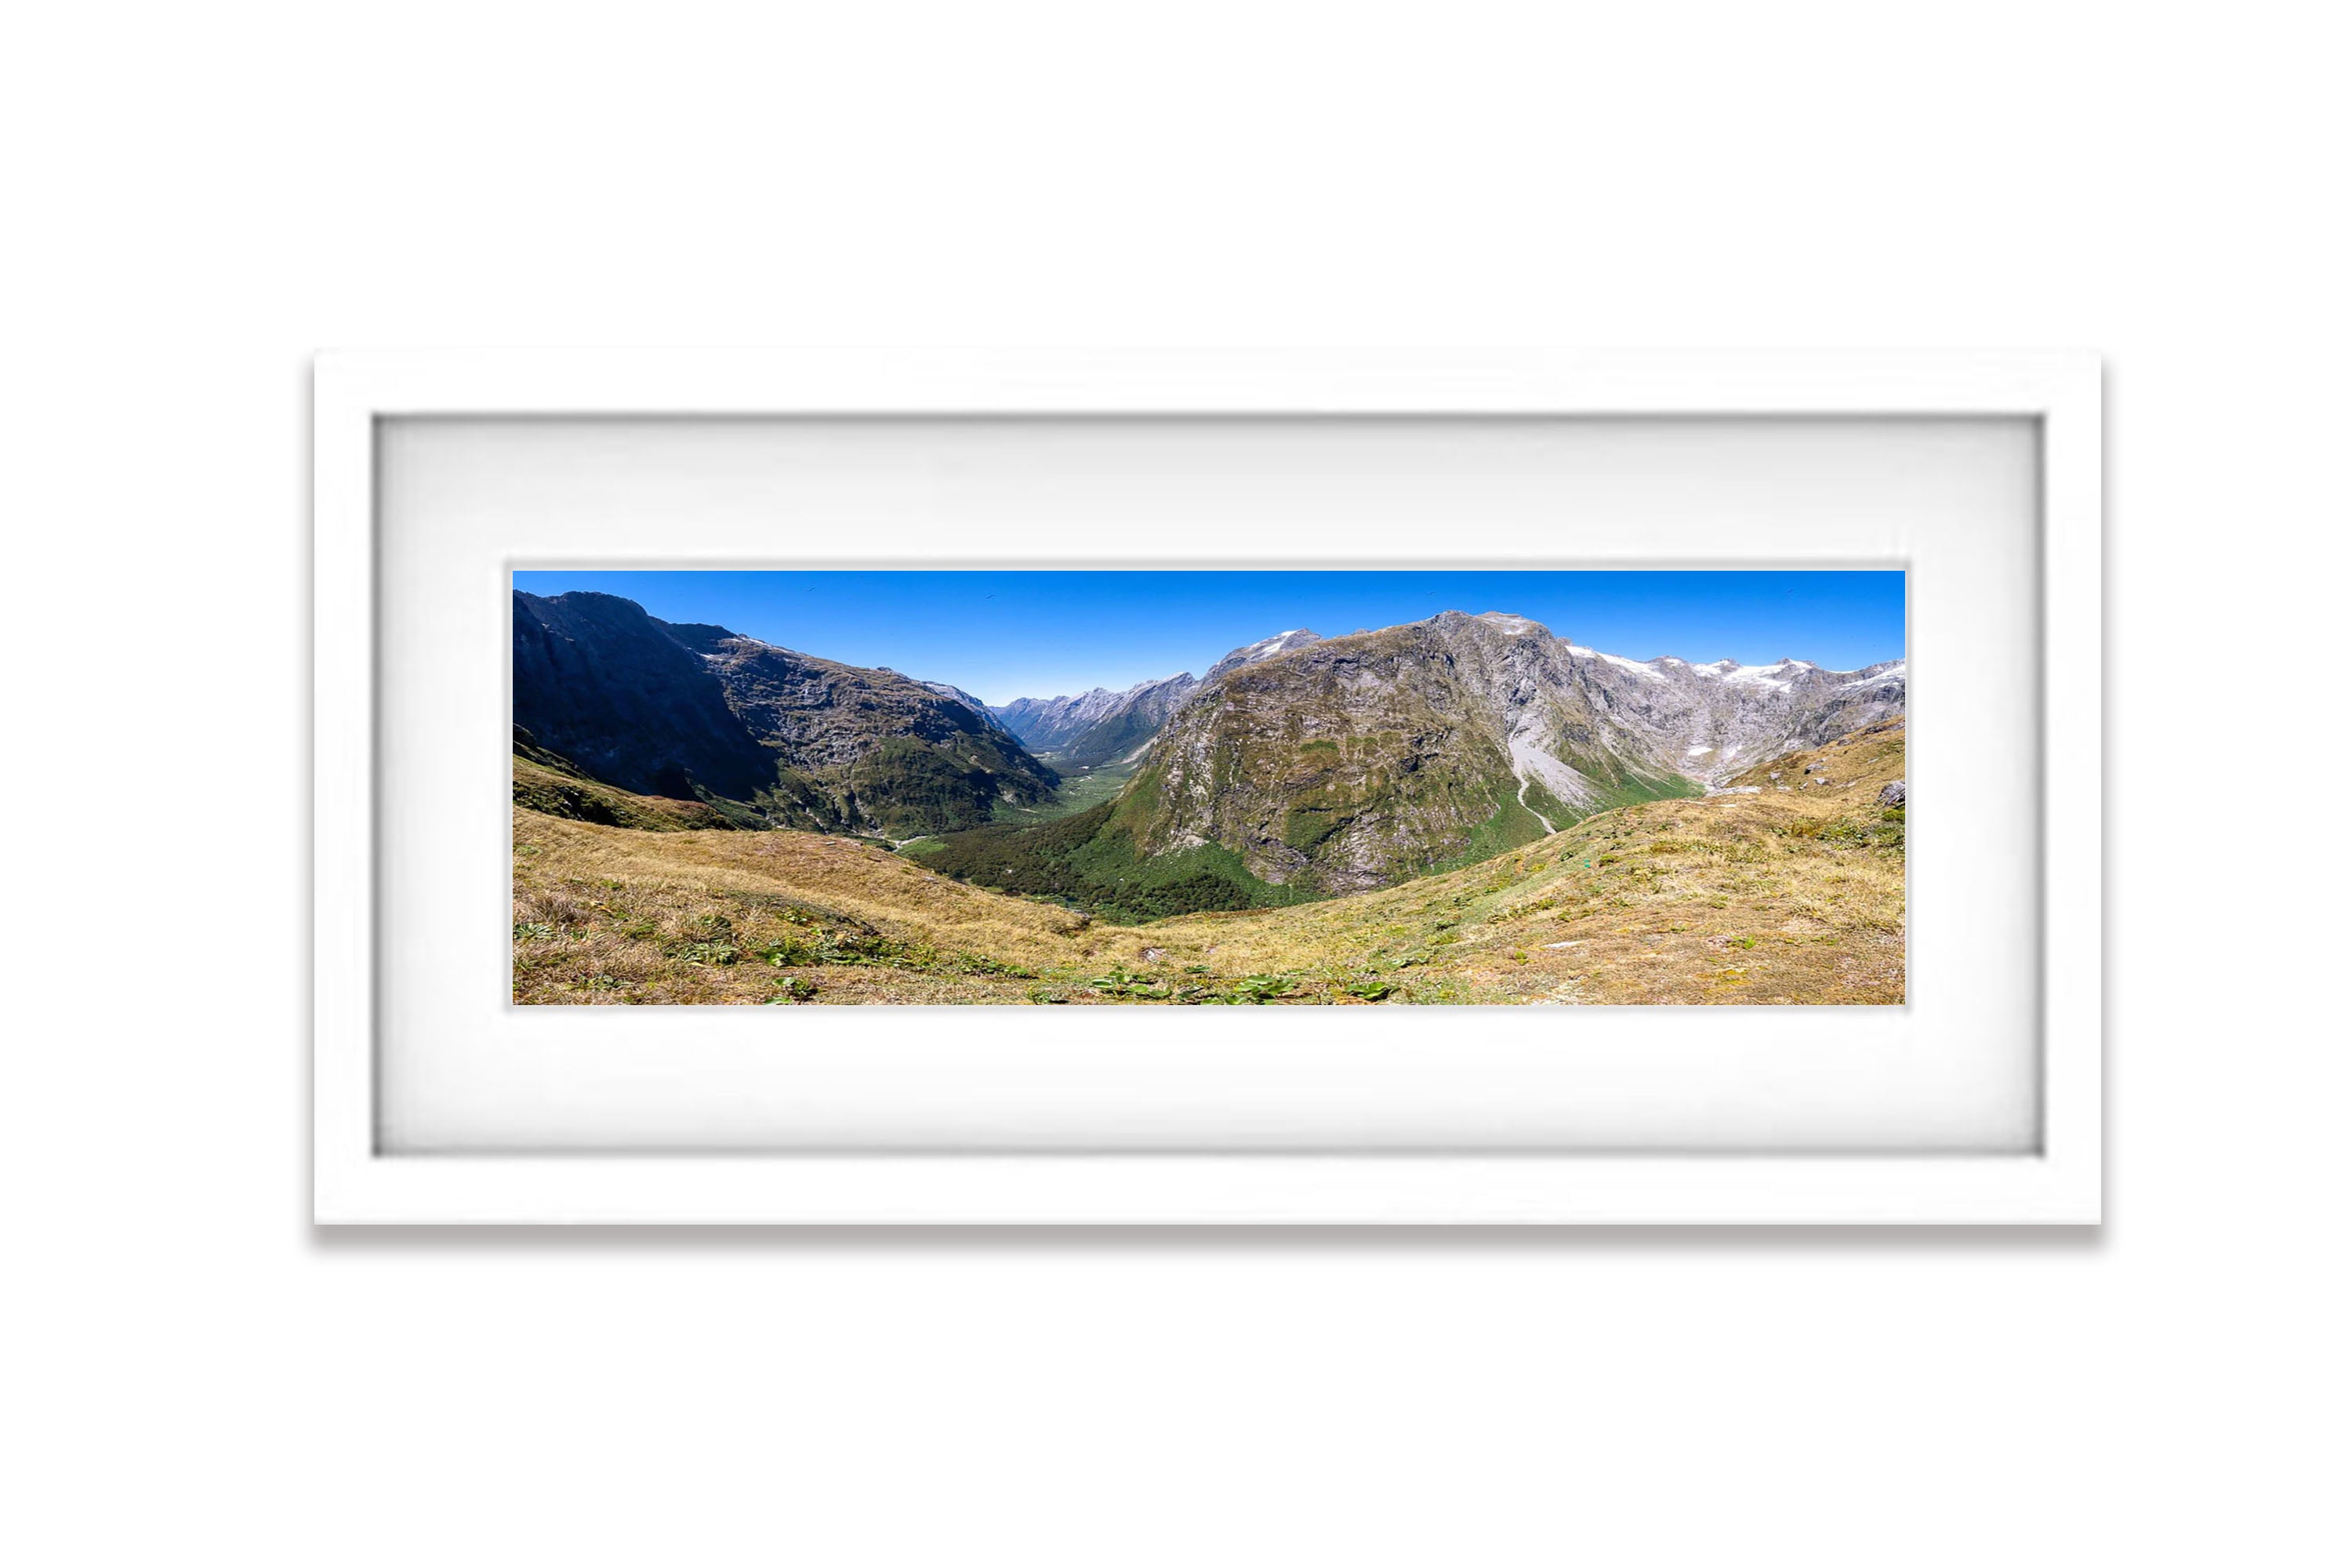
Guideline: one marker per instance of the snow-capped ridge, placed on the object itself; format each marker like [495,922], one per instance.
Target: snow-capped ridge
[1259,652]
[1280,642]
[1631,666]
[1708,721]
[1506,623]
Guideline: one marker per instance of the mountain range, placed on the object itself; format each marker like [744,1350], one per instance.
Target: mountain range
[699,712]
[1096,727]
[1102,727]
[1299,767]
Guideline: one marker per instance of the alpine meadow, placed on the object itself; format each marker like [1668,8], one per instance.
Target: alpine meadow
[1503,798]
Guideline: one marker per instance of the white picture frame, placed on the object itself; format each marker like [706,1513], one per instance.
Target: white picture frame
[358,1180]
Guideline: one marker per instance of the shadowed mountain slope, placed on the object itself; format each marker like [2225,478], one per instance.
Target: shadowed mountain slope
[604,684]
[700,712]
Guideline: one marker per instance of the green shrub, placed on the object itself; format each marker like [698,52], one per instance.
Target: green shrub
[1258,989]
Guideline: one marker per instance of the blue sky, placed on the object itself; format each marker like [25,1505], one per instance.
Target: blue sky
[1003,634]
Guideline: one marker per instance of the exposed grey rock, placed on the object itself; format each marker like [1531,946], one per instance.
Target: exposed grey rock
[959,695]
[1712,721]
[609,687]
[1259,652]
[1099,726]
[1891,795]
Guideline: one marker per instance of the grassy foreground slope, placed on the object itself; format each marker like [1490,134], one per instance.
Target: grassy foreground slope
[616,914]
[1791,894]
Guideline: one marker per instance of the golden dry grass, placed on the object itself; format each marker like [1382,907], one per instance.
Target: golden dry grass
[1790,895]
[616,914]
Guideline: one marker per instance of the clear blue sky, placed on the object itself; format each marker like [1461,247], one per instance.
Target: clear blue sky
[1003,634]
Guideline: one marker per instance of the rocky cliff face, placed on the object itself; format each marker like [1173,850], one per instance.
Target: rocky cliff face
[960,695]
[1258,652]
[1712,720]
[604,684]
[681,711]
[1347,763]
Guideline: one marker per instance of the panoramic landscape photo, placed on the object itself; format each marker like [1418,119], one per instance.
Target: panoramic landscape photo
[1209,788]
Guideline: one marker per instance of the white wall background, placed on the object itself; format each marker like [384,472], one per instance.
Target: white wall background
[200,195]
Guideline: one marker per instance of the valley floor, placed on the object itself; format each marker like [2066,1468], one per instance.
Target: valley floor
[1080,788]
[1791,894]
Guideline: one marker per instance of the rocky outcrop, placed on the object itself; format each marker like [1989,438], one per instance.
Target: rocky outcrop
[1711,721]
[960,695]
[817,713]
[1258,652]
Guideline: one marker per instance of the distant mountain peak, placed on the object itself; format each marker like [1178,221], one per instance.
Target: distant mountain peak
[1096,726]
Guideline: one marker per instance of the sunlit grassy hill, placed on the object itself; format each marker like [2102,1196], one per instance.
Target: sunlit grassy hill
[1787,895]
[1790,894]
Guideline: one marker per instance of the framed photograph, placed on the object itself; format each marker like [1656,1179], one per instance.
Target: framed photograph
[1175,789]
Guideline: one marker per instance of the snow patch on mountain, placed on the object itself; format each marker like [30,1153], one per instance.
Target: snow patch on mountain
[1631,666]
[1267,647]
[1258,653]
